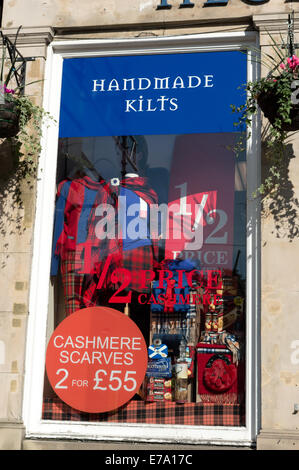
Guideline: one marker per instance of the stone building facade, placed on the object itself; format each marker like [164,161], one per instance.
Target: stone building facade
[68,25]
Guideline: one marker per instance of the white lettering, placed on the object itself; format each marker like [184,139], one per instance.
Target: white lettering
[178,82]
[100,85]
[55,342]
[161,83]
[127,80]
[208,79]
[191,77]
[173,102]
[113,85]
[141,80]
[129,106]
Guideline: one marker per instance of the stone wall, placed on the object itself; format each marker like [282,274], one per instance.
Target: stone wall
[113,13]
[16,245]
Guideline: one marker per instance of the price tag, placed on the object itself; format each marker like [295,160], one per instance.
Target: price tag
[96,359]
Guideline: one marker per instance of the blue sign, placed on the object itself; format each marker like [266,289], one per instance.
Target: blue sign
[151,94]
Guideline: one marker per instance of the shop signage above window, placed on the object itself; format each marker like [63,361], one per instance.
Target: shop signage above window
[151,94]
[166,4]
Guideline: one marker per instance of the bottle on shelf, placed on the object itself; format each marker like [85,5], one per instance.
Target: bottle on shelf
[181,375]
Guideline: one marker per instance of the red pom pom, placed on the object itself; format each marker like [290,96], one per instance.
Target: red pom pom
[220,376]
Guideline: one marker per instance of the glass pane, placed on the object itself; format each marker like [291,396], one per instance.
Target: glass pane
[154,225]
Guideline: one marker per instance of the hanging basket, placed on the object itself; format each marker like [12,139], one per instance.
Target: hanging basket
[9,119]
[268,104]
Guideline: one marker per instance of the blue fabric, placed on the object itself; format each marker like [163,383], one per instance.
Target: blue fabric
[89,198]
[58,224]
[141,224]
[178,265]
[178,307]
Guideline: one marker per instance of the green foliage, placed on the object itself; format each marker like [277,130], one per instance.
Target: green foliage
[31,121]
[25,147]
[31,116]
[277,85]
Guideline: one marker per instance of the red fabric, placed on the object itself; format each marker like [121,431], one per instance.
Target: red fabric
[216,389]
[133,260]
[170,298]
[73,207]
[220,376]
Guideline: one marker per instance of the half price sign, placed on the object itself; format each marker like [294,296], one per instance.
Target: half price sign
[96,359]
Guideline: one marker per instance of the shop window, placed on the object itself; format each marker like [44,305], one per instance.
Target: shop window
[150,220]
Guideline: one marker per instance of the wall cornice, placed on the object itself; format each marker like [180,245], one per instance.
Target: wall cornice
[32,41]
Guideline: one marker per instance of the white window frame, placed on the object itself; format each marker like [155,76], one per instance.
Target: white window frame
[39,288]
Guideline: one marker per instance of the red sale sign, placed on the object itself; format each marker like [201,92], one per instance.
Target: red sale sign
[96,359]
[202,194]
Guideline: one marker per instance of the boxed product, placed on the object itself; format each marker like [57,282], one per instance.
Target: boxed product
[157,395]
[159,368]
[158,389]
[156,383]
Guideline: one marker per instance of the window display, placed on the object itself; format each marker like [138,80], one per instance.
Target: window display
[150,221]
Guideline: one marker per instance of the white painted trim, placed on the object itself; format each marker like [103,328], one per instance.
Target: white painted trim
[40,271]
[154,45]
[253,399]
[142,433]
[39,289]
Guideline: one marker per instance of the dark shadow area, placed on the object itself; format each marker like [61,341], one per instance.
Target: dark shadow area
[282,203]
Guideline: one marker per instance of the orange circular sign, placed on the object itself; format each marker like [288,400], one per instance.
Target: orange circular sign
[96,359]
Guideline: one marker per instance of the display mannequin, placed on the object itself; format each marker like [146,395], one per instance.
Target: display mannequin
[133,253]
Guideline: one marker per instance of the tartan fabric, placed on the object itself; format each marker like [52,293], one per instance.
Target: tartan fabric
[102,248]
[136,411]
[140,258]
[136,260]
[72,282]
[113,246]
[107,254]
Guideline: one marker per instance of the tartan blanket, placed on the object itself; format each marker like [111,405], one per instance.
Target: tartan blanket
[137,411]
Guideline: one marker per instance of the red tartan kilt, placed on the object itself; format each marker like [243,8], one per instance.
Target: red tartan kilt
[72,282]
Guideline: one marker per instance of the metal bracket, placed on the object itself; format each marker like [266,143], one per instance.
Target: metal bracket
[290,44]
[15,56]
